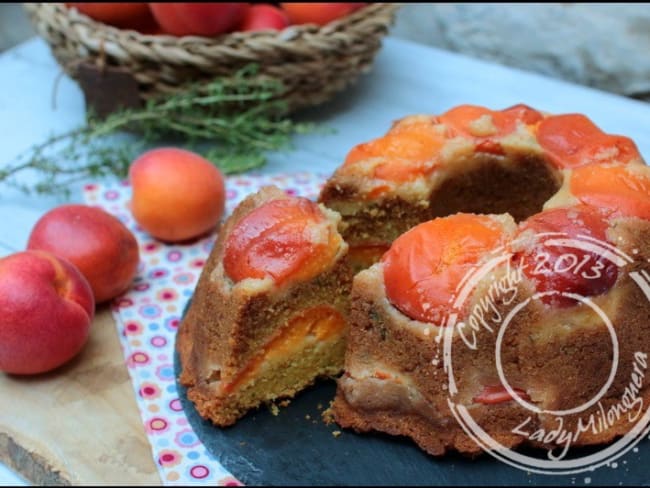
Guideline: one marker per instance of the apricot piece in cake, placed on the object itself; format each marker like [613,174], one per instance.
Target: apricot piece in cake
[424,266]
[495,394]
[571,140]
[480,122]
[624,190]
[364,256]
[559,268]
[320,323]
[284,239]
[406,152]
[486,127]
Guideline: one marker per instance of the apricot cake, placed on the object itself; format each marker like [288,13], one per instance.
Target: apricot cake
[504,281]
[269,312]
[516,316]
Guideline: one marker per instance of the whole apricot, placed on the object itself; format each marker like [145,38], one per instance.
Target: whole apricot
[177,194]
[46,307]
[96,242]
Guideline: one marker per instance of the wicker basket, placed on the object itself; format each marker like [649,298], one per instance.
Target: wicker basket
[312,62]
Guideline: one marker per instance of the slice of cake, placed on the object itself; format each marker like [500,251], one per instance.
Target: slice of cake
[269,314]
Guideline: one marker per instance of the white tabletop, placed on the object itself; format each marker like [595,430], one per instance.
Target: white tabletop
[406,78]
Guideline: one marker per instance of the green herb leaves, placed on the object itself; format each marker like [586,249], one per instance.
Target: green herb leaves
[233,122]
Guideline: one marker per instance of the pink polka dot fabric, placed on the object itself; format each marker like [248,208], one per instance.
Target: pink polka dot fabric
[147,318]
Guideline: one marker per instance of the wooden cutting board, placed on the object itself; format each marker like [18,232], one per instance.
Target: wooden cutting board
[80,424]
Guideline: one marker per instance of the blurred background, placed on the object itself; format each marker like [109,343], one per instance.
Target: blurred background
[604,46]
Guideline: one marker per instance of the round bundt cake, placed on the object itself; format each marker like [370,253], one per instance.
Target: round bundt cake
[503,281]
[512,295]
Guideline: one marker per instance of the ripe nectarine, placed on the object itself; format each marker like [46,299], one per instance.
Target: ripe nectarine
[46,307]
[177,194]
[263,16]
[97,243]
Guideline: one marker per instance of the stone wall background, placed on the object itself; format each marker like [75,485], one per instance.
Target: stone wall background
[606,46]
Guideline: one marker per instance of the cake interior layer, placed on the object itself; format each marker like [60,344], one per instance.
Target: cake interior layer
[362,256]
[311,344]
[518,184]
[304,330]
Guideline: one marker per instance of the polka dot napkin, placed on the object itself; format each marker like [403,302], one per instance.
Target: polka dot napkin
[147,318]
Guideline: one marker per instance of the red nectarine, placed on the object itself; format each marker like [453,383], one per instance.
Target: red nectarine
[124,15]
[198,19]
[46,308]
[264,17]
[97,243]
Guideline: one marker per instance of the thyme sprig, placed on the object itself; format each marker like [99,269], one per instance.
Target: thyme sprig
[233,122]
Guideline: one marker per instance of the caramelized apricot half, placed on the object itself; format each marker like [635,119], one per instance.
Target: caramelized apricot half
[481,122]
[523,113]
[572,140]
[411,148]
[285,239]
[404,153]
[623,190]
[569,268]
[424,266]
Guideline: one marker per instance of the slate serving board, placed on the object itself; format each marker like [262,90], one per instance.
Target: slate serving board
[297,448]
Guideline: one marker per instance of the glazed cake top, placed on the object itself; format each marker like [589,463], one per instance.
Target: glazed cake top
[424,267]
[418,149]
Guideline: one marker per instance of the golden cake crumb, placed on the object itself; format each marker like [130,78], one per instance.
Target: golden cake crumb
[328,415]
